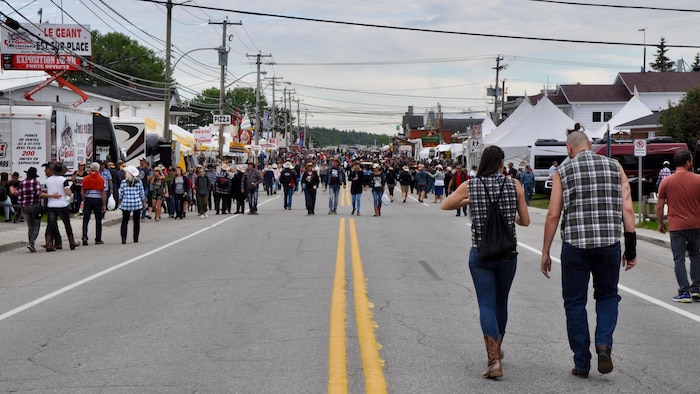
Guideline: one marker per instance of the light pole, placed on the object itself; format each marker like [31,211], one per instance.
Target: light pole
[644,61]
[167,136]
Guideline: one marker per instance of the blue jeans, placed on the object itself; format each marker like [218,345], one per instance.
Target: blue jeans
[686,241]
[288,194]
[356,199]
[310,196]
[377,197]
[333,194]
[492,281]
[529,188]
[253,199]
[577,266]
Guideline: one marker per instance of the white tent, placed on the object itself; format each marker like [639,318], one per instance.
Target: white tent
[634,109]
[544,121]
[512,121]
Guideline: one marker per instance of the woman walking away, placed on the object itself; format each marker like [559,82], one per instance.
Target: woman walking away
[377,183]
[492,278]
[202,187]
[132,199]
[356,185]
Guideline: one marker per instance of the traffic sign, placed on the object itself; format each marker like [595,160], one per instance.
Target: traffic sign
[640,148]
[222,119]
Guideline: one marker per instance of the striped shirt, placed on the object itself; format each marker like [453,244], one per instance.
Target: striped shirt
[131,196]
[592,216]
[479,203]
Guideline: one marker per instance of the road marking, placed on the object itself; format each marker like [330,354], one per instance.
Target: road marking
[369,347]
[337,345]
[633,292]
[90,278]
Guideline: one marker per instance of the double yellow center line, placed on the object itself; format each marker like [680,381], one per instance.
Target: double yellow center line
[337,345]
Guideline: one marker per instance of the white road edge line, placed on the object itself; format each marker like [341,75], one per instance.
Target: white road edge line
[90,278]
[631,291]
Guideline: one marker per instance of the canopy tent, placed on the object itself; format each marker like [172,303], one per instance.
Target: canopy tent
[510,122]
[634,109]
[544,121]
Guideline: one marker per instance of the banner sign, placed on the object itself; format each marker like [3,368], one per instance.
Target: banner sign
[202,135]
[61,47]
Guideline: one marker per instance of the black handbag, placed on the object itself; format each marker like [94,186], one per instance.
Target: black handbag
[497,239]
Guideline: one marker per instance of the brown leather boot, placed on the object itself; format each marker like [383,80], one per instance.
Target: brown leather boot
[493,370]
[72,242]
[499,340]
[49,244]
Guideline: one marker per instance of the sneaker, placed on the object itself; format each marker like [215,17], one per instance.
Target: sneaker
[206,216]
[684,298]
[695,297]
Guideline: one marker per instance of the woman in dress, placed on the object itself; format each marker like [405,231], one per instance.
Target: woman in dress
[132,199]
[492,278]
[159,191]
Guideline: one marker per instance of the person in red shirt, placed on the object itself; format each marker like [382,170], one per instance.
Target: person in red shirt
[94,200]
[460,176]
[680,192]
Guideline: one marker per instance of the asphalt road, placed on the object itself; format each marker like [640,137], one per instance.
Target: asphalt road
[282,302]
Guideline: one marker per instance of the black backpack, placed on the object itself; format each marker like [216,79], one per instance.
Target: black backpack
[497,239]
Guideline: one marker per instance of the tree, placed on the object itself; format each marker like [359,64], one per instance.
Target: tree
[116,57]
[682,121]
[241,100]
[696,62]
[662,62]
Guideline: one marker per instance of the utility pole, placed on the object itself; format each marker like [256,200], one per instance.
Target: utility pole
[498,68]
[258,125]
[223,62]
[167,136]
[503,97]
[274,105]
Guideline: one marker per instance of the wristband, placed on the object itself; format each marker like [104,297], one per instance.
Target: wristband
[630,245]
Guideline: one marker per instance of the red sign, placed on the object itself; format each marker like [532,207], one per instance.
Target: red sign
[41,62]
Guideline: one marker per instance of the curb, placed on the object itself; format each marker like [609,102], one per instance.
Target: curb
[655,241]
[20,244]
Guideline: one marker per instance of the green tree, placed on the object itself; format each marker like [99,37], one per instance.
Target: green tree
[241,100]
[682,121]
[662,63]
[696,62]
[116,57]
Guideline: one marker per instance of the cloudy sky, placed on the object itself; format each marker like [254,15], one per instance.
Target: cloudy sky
[359,75]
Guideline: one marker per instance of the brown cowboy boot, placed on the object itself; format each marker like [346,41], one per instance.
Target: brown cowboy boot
[72,242]
[493,370]
[499,340]
[49,244]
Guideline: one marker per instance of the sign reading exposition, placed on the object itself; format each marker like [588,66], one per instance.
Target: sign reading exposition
[61,47]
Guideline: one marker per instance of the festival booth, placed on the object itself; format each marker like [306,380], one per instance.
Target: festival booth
[183,141]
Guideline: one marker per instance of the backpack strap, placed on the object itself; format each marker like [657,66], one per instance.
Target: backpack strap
[486,189]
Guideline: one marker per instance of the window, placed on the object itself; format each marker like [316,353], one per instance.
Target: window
[601,117]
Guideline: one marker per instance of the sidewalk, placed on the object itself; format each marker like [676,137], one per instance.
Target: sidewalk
[14,235]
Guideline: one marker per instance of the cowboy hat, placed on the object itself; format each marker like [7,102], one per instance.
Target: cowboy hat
[132,170]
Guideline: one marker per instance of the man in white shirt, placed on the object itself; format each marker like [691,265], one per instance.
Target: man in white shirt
[57,189]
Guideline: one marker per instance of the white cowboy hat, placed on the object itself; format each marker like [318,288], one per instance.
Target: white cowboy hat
[132,170]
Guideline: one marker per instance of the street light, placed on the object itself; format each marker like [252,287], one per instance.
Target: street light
[167,136]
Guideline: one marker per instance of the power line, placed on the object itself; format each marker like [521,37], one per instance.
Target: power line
[414,29]
[633,7]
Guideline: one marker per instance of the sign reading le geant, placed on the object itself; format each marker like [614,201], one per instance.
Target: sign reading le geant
[24,51]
